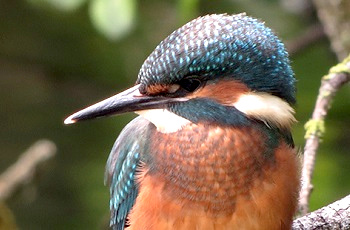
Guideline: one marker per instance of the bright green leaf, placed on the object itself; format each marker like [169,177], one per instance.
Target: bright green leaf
[113,18]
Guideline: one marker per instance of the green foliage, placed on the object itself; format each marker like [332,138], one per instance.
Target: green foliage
[113,18]
[187,10]
[64,5]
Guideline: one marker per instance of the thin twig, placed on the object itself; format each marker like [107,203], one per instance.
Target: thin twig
[335,18]
[311,35]
[331,83]
[22,171]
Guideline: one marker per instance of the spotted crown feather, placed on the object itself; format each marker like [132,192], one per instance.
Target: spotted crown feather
[222,45]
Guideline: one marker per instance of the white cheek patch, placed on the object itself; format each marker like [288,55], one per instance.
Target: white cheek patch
[164,120]
[268,108]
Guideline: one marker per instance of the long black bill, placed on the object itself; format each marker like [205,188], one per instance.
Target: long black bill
[127,101]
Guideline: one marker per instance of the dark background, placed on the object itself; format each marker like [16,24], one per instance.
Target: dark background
[57,57]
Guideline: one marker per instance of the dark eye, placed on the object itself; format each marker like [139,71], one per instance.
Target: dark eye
[190,84]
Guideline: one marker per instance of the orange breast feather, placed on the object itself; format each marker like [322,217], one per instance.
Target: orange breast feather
[220,179]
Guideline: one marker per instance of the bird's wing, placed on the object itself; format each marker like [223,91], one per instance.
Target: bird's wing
[122,165]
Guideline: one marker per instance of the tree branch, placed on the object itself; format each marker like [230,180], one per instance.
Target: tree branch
[333,216]
[308,37]
[335,17]
[23,170]
[331,83]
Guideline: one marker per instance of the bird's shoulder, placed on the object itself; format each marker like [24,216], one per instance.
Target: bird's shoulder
[121,170]
[133,137]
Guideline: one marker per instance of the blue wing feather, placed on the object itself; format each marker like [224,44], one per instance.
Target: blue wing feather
[122,165]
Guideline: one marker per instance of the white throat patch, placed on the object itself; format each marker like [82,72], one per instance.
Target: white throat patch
[164,120]
[268,108]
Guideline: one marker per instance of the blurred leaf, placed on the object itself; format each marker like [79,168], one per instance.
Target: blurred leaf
[64,5]
[187,10]
[113,18]
[7,220]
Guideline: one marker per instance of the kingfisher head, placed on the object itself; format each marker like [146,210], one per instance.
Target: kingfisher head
[225,69]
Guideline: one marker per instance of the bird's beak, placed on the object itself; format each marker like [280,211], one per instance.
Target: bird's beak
[127,101]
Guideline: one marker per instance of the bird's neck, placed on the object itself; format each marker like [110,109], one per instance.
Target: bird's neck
[211,165]
[225,102]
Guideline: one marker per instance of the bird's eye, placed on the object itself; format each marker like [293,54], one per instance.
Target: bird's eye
[190,84]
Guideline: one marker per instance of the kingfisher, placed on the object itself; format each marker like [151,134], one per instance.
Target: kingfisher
[212,145]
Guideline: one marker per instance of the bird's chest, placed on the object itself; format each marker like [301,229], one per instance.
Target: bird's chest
[216,178]
[209,167]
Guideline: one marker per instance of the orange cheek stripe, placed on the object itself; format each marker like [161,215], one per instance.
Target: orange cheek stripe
[156,89]
[225,92]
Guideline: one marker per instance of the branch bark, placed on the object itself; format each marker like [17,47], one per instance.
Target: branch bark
[333,216]
[335,17]
[331,83]
[21,172]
